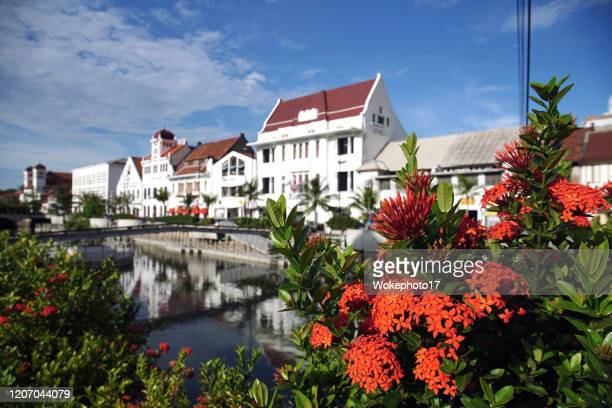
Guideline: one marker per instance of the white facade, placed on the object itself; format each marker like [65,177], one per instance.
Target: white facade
[332,144]
[166,154]
[216,169]
[130,184]
[100,179]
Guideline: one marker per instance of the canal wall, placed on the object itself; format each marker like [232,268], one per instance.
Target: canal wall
[230,249]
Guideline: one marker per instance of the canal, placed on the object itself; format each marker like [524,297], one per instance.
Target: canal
[211,306]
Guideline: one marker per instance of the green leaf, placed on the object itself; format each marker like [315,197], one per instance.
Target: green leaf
[494,374]
[273,212]
[284,295]
[444,196]
[392,400]
[463,380]
[302,401]
[504,395]
[474,403]
[488,391]
[259,392]
[535,389]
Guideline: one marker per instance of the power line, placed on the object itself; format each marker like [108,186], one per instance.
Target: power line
[523,40]
[528,69]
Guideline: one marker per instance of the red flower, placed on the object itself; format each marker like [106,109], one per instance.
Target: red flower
[505,230]
[497,278]
[150,352]
[314,240]
[404,216]
[49,310]
[577,201]
[187,350]
[372,364]
[3,320]
[19,307]
[515,155]
[428,368]
[164,348]
[506,316]
[353,298]
[29,310]
[469,233]
[133,347]
[521,312]
[418,181]
[320,336]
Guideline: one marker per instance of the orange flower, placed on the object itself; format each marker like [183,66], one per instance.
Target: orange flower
[428,368]
[506,316]
[497,278]
[504,231]
[320,336]
[353,298]
[515,155]
[403,217]
[372,364]
[577,201]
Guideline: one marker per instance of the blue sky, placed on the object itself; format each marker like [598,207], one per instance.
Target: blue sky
[87,82]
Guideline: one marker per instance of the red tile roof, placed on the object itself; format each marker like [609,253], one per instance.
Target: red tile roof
[219,148]
[172,150]
[598,148]
[573,144]
[336,103]
[56,178]
[138,164]
[190,170]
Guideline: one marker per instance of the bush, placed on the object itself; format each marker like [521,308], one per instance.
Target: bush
[10,204]
[247,222]
[343,222]
[207,221]
[480,349]
[92,205]
[76,222]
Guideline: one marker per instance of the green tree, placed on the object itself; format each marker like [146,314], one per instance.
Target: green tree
[366,201]
[92,205]
[314,196]
[250,192]
[208,200]
[162,196]
[120,204]
[63,199]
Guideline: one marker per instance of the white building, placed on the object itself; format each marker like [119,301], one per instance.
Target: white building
[330,133]
[130,184]
[40,184]
[218,169]
[166,154]
[100,179]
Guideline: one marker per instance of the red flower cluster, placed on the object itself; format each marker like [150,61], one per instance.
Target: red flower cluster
[428,368]
[372,364]
[469,233]
[577,201]
[49,310]
[403,217]
[419,181]
[498,195]
[515,155]
[498,278]
[320,336]
[164,348]
[3,320]
[505,230]
[353,298]
[314,240]
[187,350]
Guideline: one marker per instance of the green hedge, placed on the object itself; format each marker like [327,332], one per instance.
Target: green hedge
[343,222]
[247,222]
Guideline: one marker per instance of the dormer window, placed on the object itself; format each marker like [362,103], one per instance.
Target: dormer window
[308,114]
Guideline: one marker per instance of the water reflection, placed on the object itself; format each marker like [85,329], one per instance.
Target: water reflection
[212,306]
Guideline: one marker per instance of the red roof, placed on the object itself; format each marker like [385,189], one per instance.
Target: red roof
[331,104]
[573,144]
[164,134]
[598,148]
[219,148]
[138,164]
[190,170]
[56,178]
[173,150]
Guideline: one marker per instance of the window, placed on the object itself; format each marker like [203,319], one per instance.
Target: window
[342,146]
[283,184]
[306,149]
[266,155]
[387,122]
[233,166]
[384,184]
[155,169]
[317,148]
[230,191]
[492,178]
[380,110]
[381,120]
[295,151]
[300,150]
[352,145]
[181,188]
[373,117]
[225,168]
[283,153]
[267,185]
[351,180]
[342,181]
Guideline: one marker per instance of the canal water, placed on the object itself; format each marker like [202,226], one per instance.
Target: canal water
[211,306]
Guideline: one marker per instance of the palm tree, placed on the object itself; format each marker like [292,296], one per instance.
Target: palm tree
[120,204]
[162,196]
[188,200]
[208,200]
[250,192]
[313,196]
[466,185]
[365,201]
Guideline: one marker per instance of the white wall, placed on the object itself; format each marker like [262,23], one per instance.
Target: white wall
[130,183]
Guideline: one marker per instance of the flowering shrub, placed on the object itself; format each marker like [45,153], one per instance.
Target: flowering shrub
[476,350]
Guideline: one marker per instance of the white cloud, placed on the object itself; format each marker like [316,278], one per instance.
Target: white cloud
[66,67]
[309,73]
[291,44]
[553,12]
